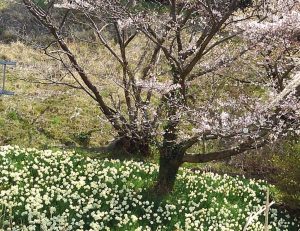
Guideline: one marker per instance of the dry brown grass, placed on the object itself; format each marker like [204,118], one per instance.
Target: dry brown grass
[42,114]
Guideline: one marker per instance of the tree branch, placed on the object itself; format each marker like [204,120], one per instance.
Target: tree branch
[45,20]
[219,155]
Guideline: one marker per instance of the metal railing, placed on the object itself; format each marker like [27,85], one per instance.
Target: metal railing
[265,209]
[4,64]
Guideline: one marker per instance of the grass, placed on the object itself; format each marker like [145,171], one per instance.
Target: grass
[43,115]
[3,5]
[46,116]
[46,190]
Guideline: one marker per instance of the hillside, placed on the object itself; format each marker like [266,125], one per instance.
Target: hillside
[150,115]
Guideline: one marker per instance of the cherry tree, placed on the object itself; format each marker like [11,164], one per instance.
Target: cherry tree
[187,74]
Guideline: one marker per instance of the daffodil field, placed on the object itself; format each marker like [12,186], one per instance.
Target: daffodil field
[47,190]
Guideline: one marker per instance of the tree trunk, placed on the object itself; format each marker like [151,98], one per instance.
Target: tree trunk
[130,147]
[169,165]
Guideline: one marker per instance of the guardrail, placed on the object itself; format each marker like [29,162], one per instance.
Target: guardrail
[4,64]
[265,209]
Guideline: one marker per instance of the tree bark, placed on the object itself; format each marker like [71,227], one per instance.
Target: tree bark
[130,147]
[169,164]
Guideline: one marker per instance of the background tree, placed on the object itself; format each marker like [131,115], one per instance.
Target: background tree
[185,73]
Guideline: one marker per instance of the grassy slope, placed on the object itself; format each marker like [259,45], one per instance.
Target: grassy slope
[43,189]
[45,115]
[40,115]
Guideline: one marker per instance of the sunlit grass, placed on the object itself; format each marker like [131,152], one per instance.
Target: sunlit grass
[3,5]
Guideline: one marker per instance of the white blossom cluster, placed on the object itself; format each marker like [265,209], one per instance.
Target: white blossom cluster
[282,21]
[46,190]
[155,85]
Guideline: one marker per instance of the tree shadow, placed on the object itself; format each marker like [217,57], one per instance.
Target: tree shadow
[17,24]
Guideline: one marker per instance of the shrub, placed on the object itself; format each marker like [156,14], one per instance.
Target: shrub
[287,176]
[279,165]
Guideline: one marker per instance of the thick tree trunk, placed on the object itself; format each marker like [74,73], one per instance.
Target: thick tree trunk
[130,147]
[169,165]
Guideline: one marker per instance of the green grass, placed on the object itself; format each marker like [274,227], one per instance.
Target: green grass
[41,190]
[42,115]
[3,5]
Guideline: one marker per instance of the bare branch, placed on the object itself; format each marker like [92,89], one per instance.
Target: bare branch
[220,155]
